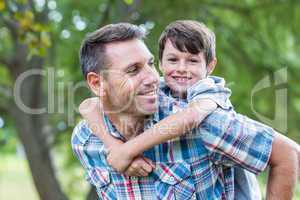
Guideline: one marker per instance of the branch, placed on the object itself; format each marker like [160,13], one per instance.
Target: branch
[11,24]
[233,7]
[5,62]
[105,17]
[3,109]
[31,5]
[129,9]
[5,91]
[244,9]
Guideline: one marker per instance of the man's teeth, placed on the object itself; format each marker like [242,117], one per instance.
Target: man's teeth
[150,93]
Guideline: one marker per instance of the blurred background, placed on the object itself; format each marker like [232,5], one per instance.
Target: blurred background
[41,83]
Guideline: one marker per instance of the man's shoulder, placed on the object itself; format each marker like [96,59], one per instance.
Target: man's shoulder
[81,133]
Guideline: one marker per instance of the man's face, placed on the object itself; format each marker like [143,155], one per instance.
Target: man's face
[131,82]
[182,69]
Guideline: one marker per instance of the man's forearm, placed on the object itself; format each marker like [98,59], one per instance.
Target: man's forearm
[281,184]
[284,169]
[171,127]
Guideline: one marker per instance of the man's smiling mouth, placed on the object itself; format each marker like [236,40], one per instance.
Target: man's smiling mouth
[147,93]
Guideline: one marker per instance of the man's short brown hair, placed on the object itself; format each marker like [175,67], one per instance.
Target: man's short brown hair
[92,51]
[189,36]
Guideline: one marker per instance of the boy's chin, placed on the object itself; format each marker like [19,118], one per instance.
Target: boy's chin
[179,92]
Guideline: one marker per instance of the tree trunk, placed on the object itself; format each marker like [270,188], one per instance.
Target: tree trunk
[92,195]
[38,156]
[30,131]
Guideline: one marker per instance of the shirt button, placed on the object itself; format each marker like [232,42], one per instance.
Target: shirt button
[172,178]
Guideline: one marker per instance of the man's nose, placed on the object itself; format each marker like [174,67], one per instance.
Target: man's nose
[151,76]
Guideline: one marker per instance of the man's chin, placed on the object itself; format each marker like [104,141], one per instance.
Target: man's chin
[147,110]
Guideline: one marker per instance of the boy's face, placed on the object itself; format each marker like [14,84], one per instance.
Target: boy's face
[182,69]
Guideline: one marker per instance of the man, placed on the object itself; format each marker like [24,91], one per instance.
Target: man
[207,169]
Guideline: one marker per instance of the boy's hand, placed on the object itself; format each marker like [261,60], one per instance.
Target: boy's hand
[140,166]
[87,107]
[120,158]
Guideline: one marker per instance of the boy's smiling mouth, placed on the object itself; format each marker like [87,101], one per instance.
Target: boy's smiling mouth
[182,79]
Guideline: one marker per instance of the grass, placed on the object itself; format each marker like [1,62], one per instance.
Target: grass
[16,182]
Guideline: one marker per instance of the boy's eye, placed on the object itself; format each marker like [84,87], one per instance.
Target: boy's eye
[172,59]
[193,61]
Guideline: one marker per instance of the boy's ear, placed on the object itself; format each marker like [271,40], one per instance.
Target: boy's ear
[95,83]
[211,66]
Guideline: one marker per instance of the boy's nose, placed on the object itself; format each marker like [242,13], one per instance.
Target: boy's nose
[181,67]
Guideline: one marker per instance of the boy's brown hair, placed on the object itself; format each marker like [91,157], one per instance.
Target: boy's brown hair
[189,36]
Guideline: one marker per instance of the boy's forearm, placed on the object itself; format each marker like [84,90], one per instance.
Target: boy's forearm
[96,124]
[172,126]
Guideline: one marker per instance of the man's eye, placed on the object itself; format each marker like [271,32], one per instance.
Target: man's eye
[132,70]
[151,63]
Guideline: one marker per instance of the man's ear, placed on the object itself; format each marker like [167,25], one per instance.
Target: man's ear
[211,66]
[95,83]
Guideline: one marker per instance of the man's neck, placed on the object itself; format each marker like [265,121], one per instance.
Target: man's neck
[127,125]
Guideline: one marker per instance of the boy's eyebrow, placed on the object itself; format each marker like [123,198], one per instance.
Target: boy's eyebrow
[194,56]
[170,54]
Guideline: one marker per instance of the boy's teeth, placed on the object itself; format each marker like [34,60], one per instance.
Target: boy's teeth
[181,79]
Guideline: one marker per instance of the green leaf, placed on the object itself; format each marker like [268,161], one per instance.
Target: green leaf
[2,5]
[128,2]
[45,39]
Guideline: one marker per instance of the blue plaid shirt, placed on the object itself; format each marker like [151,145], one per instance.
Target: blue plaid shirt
[198,165]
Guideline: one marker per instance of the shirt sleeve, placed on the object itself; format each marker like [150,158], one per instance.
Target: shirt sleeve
[88,149]
[208,88]
[234,139]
